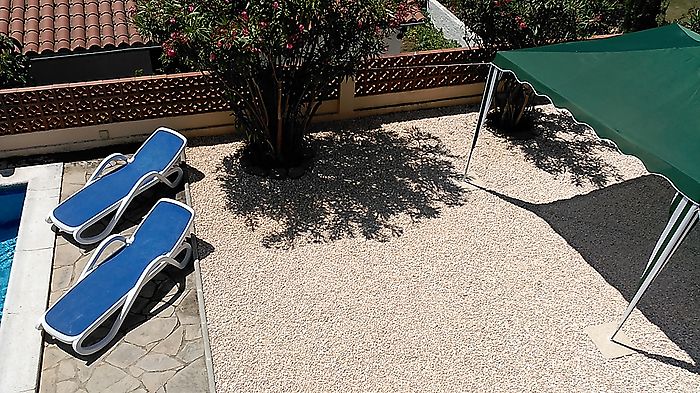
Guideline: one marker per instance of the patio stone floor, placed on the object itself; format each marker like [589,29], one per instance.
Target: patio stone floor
[159,348]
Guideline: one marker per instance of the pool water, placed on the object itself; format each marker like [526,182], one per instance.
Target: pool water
[11,202]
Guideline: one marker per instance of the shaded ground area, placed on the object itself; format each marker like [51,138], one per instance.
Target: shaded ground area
[361,181]
[562,146]
[159,348]
[615,229]
[383,271]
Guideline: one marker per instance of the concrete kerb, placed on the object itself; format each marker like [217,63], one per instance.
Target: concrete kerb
[200,297]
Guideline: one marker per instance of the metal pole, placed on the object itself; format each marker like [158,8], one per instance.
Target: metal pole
[682,220]
[491,81]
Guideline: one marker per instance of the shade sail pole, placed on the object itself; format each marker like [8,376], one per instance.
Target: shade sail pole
[683,217]
[491,81]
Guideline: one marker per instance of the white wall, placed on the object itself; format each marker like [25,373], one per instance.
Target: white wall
[450,25]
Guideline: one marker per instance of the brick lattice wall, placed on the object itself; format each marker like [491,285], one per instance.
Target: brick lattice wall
[85,104]
[424,70]
[92,103]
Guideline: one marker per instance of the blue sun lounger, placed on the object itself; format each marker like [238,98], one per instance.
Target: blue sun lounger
[156,160]
[112,286]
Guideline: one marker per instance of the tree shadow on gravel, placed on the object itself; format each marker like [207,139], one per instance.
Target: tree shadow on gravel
[559,145]
[361,181]
[615,229]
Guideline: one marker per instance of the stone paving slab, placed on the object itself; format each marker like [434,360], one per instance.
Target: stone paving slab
[159,348]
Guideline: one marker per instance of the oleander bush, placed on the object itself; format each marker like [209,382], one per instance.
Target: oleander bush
[514,24]
[277,58]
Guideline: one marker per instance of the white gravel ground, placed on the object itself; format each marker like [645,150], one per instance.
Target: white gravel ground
[383,271]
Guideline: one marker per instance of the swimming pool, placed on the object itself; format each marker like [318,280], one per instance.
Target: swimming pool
[35,191]
[11,202]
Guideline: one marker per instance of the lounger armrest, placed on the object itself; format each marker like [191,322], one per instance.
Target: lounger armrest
[107,162]
[139,186]
[98,252]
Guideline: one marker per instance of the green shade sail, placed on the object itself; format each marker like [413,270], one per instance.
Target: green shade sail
[640,90]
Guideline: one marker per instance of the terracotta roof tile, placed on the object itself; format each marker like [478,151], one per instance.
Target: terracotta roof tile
[58,26]
[415,13]
[4,17]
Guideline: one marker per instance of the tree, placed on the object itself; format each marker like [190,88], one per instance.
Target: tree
[277,59]
[14,66]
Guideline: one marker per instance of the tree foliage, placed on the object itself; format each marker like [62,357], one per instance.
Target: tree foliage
[277,58]
[644,14]
[514,24]
[14,66]
[426,37]
[525,23]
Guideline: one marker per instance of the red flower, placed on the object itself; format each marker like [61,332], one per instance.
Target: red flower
[244,16]
[290,46]
[212,57]
[275,5]
[170,52]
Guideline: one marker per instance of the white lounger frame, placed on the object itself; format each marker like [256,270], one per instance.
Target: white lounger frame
[125,303]
[144,183]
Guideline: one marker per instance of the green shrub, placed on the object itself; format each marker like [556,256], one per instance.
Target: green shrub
[14,66]
[426,37]
[598,16]
[644,14]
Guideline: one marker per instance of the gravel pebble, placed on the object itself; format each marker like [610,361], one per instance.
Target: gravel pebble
[382,270]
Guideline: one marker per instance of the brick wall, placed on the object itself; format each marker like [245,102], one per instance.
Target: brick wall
[92,103]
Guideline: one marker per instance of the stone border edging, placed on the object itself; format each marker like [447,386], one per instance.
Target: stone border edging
[200,297]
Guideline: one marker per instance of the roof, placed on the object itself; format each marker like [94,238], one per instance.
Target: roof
[62,26]
[639,90]
[415,13]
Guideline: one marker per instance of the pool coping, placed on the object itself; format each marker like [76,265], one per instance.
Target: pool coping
[30,276]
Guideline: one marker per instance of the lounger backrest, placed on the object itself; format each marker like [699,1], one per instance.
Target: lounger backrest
[164,227]
[160,150]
